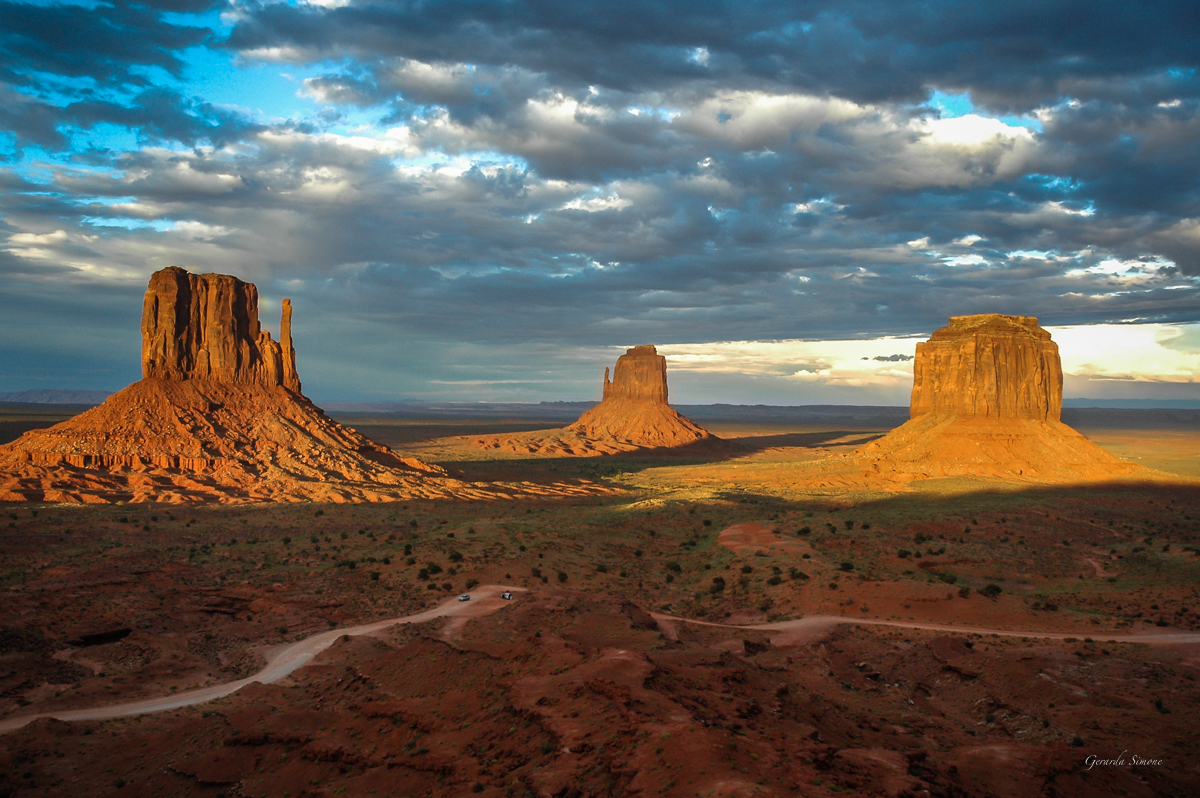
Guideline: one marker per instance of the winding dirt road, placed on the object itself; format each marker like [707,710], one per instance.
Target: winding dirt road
[486,600]
[280,663]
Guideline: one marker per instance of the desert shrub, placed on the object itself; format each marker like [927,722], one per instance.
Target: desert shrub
[434,568]
[374,576]
[708,522]
[472,583]
[802,531]
[849,524]
[796,573]
[535,571]
[456,556]
[991,591]
[718,584]
[919,538]
[407,549]
[423,574]
[347,564]
[774,580]
[746,569]
[904,554]
[674,566]
[602,568]
[637,552]
[866,525]
[963,592]
[447,586]
[562,576]
[847,566]
[948,578]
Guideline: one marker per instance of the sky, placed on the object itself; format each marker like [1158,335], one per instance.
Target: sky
[489,201]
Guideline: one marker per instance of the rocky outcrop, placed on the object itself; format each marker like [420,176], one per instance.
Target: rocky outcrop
[988,366]
[986,402]
[634,407]
[205,326]
[218,416]
[640,375]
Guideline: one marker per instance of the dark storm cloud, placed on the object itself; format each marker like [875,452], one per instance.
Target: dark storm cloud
[1016,55]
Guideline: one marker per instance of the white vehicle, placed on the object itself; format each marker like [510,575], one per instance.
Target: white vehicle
[465,597]
[506,595]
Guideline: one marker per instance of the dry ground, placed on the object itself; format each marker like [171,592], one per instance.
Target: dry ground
[575,689]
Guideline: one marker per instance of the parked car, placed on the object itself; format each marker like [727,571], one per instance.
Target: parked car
[465,597]
[506,595]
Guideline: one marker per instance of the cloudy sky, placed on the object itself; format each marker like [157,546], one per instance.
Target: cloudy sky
[488,200]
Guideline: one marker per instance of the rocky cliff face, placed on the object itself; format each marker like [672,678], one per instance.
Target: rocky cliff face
[206,327]
[992,366]
[640,374]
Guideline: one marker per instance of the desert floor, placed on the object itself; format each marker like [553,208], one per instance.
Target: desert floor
[590,681]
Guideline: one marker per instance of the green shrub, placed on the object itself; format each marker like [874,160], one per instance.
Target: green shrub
[991,591]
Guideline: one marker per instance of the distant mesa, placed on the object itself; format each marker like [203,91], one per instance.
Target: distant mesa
[218,416]
[634,407]
[986,403]
[633,414]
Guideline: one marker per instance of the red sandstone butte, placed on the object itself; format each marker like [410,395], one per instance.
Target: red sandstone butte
[205,326]
[986,404]
[991,366]
[634,407]
[218,416]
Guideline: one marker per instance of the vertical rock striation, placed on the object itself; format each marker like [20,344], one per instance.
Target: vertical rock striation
[990,366]
[640,375]
[206,327]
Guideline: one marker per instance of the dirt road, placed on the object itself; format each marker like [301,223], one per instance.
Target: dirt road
[485,600]
[801,628]
[280,663]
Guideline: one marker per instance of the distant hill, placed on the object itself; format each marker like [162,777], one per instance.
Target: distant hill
[52,397]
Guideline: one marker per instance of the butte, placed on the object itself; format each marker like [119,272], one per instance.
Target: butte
[633,414]
[217,416]
[986,404]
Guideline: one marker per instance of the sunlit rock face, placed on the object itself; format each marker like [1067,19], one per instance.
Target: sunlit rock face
[640,375]
[988,366]
[986,405]
[205,326]
[634,409]
[218,416]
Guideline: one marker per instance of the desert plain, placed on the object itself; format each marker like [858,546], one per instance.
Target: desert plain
[694,622]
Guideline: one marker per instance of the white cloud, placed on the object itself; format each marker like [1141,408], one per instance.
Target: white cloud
[1137,352]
